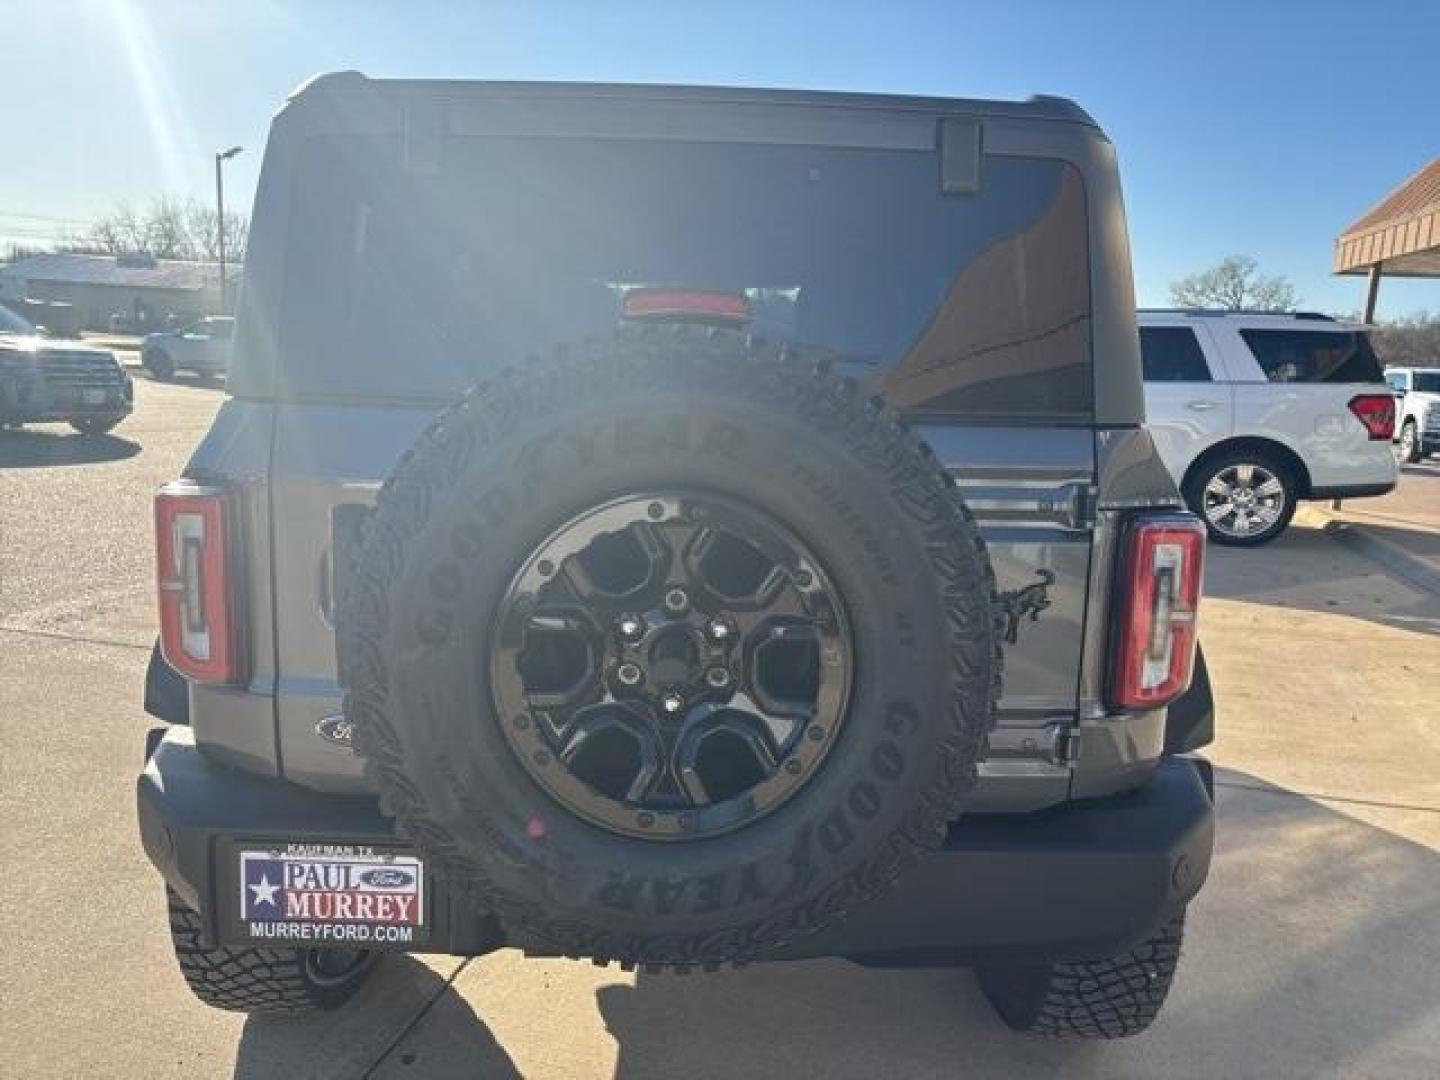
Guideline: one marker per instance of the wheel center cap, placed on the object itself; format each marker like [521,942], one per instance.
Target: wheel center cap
[674,658]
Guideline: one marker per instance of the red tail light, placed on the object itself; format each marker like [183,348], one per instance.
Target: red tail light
[1160,582]
[1377,413]
[192,571]
[686,304]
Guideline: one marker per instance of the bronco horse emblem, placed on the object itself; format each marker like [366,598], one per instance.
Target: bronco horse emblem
[1031,600]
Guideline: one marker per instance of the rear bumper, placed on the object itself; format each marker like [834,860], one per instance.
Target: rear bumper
[1079,882]
[1353,491]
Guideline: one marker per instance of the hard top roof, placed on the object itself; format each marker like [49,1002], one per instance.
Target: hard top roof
[1037,107]
[1308,320]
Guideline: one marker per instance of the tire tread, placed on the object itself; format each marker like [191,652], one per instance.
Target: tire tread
[271,982]
[1096,999]
[804,380]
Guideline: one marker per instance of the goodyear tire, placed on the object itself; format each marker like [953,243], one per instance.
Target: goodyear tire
[666,458]
[268,982]
[1095,999]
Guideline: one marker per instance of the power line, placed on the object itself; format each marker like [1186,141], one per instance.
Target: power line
[42,217]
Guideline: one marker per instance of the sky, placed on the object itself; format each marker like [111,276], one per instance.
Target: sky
[1261,128]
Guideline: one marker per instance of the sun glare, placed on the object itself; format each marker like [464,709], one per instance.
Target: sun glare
[171,136]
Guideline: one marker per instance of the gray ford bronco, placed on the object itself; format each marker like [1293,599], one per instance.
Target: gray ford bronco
[681,527]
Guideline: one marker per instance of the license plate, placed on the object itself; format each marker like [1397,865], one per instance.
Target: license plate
[92,397]
[331,894]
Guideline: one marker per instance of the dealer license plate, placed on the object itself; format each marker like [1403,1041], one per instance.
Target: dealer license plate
[92,397]
[332,894]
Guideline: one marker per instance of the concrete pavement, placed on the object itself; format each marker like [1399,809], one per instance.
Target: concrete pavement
[1314,950]
[1401,531]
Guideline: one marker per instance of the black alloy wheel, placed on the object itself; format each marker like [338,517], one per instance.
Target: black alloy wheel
[684,660]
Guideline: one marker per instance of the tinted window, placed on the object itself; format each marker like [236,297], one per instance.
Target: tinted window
[1427,381]
[1314,355]
[1172,354]
[405,283]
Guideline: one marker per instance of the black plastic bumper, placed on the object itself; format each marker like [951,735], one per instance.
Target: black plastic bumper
[1079,882]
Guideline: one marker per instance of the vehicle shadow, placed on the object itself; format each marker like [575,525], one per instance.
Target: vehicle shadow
[1308,954]
[362,1036]
[188,378]
[1422,542]
[1306,569]
[33,449]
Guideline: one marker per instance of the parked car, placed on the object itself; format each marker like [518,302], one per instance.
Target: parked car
[1417,410]
[44,379]
[202,347]
[145,320]
[1253,413]
[676,638]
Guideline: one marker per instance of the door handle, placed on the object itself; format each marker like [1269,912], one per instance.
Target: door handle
[1202,406]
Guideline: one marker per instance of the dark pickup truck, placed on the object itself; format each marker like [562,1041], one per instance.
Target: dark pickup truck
[44,380]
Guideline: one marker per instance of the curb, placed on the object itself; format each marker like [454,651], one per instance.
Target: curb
[1396,560]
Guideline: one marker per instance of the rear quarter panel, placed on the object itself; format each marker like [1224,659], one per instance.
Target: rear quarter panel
[1313,419]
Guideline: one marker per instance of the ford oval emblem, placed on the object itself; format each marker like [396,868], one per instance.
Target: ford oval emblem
[335,729]
[387,879]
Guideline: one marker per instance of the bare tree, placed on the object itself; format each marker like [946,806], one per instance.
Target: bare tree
[1235,285]
[1412,340]
[116,233]
[166,234]
[204,237]
[170,229]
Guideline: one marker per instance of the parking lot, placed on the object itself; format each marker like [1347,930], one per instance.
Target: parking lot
[1314,951]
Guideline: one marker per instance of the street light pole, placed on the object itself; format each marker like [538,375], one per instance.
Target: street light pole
[220,158]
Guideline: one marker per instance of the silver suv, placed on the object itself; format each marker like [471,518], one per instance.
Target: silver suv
[1253,412]
[625,506]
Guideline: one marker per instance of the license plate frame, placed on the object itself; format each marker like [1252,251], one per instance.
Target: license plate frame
[93,396]
[335,895]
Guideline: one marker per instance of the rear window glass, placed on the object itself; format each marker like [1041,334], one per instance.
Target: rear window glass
[1426,381]
[403,284]
[1172,354]
[1314,356]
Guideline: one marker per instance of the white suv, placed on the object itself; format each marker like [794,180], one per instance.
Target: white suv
[1417,410]
[1253,412]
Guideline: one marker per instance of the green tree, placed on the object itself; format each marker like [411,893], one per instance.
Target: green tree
[1235,285]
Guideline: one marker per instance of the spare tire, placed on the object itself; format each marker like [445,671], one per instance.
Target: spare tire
[671,647]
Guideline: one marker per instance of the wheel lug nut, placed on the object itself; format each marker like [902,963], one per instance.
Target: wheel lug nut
[629,674]
[677,601]
[672,703]
[631,626]
[718,677]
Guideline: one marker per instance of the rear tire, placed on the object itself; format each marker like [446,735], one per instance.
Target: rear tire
[96,427]
[718,434]
[159,364]
[1245,497]
[272,982]
[1094,999]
